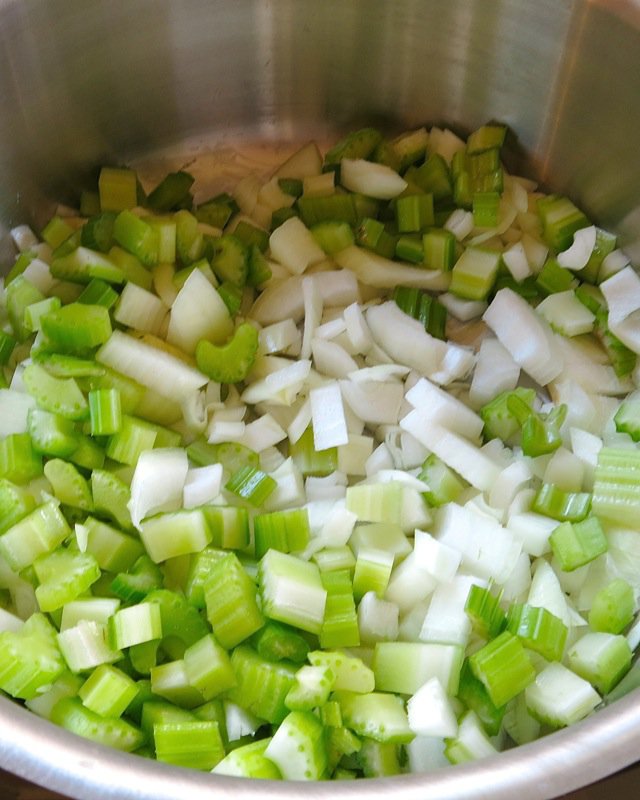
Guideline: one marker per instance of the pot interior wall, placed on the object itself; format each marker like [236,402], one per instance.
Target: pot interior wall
[87,83]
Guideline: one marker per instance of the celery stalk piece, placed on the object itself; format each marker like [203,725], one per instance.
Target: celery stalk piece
[403,667]
[171,192]
[137,237]
[612,607]
[196,744]
[20,294]
[576,544]
[376,759]
[83,265]
[616,489]
[135,625]
[69,486]
[358,144]
[600,658]
[558,697]
[85,646]
[15,504]
[108,691]
[105,412]
[114,550]
[291,591]
[180,621]
[249,761]
[229,363]
[52,434]
[29,658]
[298,747]
[340,623]
[170,680]
[199,569]
[175,534]
[77,327]
[69,713]
[475,697]
[208,667]
[63,575]
[379,716]
[117,188]
[538,629]
[38,533]
[231,602]
[251,484]
[483,609]
[504,668]
[110,497]
[311,689]
[57,395]
[276,642]
[229,526]
[471,743]
[142,578]
[19,462]
[352,674]
[262,685]
[286,531]
[474,273]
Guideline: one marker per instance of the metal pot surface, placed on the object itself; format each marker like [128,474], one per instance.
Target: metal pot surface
[105,81]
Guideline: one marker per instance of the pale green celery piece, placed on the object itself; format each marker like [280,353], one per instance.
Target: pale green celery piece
[199,569]
[137,237]
[334,558]
[249,761]
[19,295]
[64,575]
[504,668]
[108,691]
[208,667]
[352,674]
[110,497]
[378,759]
[19,461]
[69,486]
[182,625]
[474,273]
[117,189]
[77,327]
[340,623]
[229,526]
[15,504]
[298,748]
[133,438]
[262,684]
[52,434]
[83,265]
[29,658]
[97,609]
[196,744]
[600,658]
[403,667]
[381,502]
[132,269]
[134,625]
[377,715]
[57,395]
[231,601]
[311,689]
[34,312]
[69,713]
[174,534]
[85,646]
[105,411]
[67,685]
[558,697]
[114,550]
[166,229]
[87,454]
[292,591]
[471,743]
[38,533]
[155,711]
[380,536]
[170,680]
[372,572]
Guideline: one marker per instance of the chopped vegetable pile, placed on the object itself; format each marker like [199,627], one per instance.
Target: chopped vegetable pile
[335,475]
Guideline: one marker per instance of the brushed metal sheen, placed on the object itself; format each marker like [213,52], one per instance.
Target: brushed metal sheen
[84,83]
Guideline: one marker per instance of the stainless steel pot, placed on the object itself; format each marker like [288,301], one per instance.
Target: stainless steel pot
[94,81]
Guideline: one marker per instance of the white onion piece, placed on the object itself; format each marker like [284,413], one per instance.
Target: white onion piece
[460,223]
[515,260]
[444,409]
[524,335]
[262,433]
[293,245]
[202,485]
[158,482]
[357,329]
[383,273]
[622,293]
[371,179]
[137,308]
[495,372]
[312,313]
[576,257]
[327,416]
[14,409]
[38,273]
[331,359]
[198,312]
[374,402]
[23,237]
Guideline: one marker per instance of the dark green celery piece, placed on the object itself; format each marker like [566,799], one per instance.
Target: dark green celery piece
[171,192]
[538,629]
[19,294]
[486,206]
[98,293]
[577,543]
[553,278]
[540,432]
[473,694]
[88,454]
[229,363]
[262,684]
[118,188]
[259,270]
[251,484]
[97,232]
[217,211]
[281,215]
[528,288]
[333,236]
[19,462]
[251,235]
[231,295]
[409,248]
[15,504]
[231,260]
[483,609]
[89,203]
[563,506]
[52,434]
[77,327]
[486,137]
[21,263]
[385,153]
[414,212]
[499,421]
[7,345]
[277,642]
[334,207]
[434,176]
[311,461]
[423,307]
[372,234]
[560,220]
[83,264]
[357,144]
[137,237]
[291,186]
